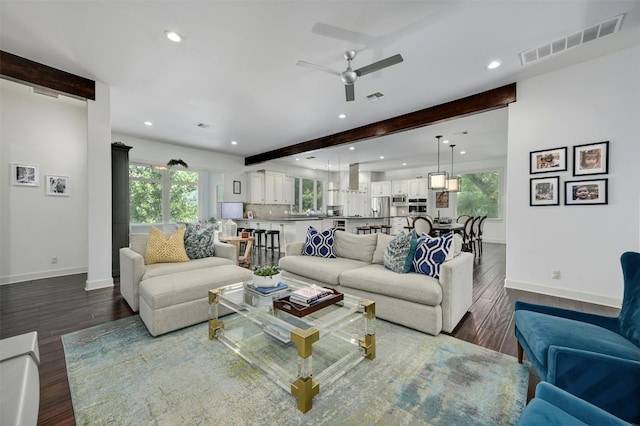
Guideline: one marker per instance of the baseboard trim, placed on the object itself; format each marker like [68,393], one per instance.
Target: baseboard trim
[581,296]
[98,284]
[18,278]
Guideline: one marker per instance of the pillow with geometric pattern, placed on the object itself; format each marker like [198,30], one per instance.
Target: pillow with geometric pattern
[319,243]
[198,240]
[163,248]
[398,255]
[431,253]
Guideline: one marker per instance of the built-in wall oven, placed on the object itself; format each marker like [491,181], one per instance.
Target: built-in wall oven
[417,206]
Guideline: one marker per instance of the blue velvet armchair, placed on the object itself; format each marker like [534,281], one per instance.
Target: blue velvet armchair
[554,407]
[593,357]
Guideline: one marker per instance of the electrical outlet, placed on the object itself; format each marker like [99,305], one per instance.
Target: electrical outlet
[54,260]
[555,274]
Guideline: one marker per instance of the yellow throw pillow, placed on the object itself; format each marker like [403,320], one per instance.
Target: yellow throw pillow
[162,248]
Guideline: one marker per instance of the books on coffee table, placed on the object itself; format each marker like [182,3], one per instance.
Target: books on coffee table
[267,290]
[310,295]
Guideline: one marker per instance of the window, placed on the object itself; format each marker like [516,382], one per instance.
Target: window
[480,194]
[308,194]
[162,196]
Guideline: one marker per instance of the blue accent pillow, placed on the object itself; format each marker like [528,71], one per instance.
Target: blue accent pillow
[198,240]
[398,256]
[431,253]
[319,243]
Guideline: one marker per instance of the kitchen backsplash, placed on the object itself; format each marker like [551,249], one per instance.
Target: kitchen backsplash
[266,211]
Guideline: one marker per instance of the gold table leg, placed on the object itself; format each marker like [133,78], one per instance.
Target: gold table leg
[305,388]
[215,325]
[368,342]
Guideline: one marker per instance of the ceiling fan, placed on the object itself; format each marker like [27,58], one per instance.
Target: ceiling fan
[350,76]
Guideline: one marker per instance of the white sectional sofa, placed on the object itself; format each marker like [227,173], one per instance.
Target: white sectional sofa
[19,380]
[414,300]
[170,296]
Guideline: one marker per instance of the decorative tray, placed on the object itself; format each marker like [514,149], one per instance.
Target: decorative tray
[285,305]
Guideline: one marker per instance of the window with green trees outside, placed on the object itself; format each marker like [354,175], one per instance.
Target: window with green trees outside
[480,194]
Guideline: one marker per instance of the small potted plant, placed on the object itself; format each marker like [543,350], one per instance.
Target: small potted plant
[266,276]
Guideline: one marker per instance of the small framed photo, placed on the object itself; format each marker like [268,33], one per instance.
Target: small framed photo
[58,185]
[580,192]
[591,159]
[249,214]
[545,191]
[25,174]
[549,160]
[442,200]
[236,187]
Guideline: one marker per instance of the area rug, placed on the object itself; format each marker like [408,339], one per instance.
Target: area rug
[120,374]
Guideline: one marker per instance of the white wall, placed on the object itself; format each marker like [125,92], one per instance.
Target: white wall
[591,102]
[52,134]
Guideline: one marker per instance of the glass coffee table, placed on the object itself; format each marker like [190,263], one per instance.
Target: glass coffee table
[299,352]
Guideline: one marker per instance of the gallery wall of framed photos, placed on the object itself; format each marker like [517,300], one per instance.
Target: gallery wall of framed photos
[28,175]
[591,159]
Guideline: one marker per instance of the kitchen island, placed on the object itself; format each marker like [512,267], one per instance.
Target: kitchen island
[294,228]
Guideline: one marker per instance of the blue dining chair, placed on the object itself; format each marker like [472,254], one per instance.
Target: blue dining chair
[554,407]
[594,357]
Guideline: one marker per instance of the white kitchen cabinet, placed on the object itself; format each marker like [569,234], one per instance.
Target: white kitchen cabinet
[381,188]
[400,187]
[288,191]
[397,224]
[255,190]
[274,187]
[418,188]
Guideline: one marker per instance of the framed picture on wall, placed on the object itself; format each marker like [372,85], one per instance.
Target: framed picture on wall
[548,160]
[579,192]
[58,185]
[442,200]
[591,159]
[236,187]
[544,191]
[24,174]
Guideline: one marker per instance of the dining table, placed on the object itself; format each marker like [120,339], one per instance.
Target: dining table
[444,227]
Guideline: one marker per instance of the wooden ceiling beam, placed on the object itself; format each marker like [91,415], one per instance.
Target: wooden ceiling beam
[23,70]
[474,104]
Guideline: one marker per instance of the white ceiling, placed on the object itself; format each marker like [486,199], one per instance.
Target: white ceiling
[236,68]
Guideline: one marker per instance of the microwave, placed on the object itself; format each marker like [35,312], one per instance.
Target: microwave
[399,200]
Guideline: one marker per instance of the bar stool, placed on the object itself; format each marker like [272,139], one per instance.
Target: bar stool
[386,229]
[271,233]
[258,233]
[364,229]
[375,228]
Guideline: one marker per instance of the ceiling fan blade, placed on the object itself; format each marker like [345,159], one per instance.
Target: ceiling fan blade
[350,92]
[341,34]
[318,67]
[377,66]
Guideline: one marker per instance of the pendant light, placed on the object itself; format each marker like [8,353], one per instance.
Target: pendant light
[438,180]
[453,183]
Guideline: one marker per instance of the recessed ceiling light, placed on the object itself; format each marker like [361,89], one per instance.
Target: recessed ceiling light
[234,143]
[463,152]
[494,64]
[342,116]
[351,148]
[148,123]
[297,159]
[173,36]
[404,164]
[445,141]
[382,157]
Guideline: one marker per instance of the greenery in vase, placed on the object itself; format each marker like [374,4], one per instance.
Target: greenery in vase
[265,271]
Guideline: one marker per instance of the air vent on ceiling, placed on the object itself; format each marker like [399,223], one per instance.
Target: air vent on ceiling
[574,40]
[203,125]
[375,96]
[311,157]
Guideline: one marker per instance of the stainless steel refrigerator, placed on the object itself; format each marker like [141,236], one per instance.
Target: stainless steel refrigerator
[380,207]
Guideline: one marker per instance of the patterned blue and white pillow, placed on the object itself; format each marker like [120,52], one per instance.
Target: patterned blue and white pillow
[198,241]
[431,253]
[319,243]
[398,255]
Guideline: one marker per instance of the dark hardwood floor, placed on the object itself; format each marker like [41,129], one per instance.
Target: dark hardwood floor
[56,306]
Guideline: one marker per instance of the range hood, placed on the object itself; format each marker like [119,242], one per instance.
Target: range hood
[354,176]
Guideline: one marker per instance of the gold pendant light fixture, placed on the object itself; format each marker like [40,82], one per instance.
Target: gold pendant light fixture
[438,180]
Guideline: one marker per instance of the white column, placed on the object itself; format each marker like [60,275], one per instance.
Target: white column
[99,187]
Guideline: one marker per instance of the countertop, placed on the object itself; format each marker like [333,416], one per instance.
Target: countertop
[305,218]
